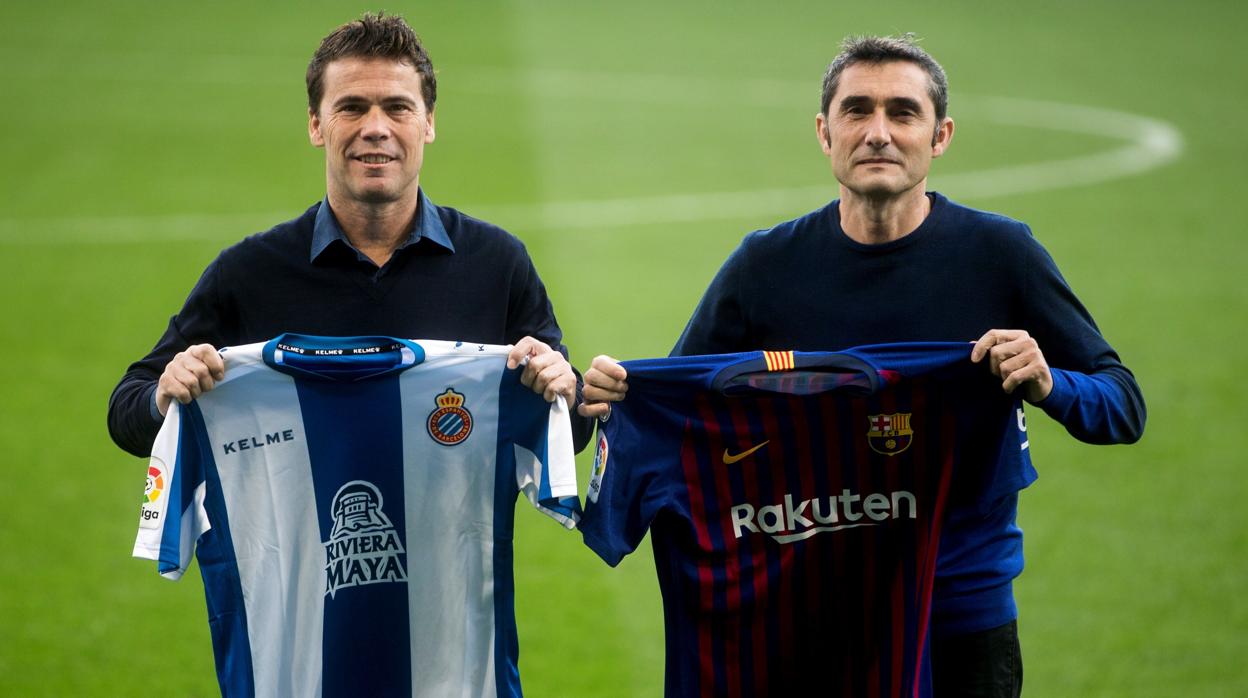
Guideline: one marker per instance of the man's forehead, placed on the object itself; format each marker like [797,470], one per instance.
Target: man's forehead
[355,71]
[884,81]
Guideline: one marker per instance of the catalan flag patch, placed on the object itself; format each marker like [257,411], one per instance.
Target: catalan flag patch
[779,360]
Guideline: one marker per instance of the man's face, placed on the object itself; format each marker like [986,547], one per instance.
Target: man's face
[373,124]
[880,130]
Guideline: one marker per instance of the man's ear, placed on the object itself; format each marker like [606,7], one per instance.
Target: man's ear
[314,129]
[942,137]
[821,132]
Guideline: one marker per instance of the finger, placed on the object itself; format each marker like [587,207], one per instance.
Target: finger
[595,410]
[1018,361]
[203,376]
[982,345]
[564,385]
[552,380]
[542,363]
[526,347]
[601,381]
[210,357]
[1027,374]
[184,384]
[596,394]
[609,367]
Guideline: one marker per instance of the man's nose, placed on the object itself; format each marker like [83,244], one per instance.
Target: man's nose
[376,124]
[877,135]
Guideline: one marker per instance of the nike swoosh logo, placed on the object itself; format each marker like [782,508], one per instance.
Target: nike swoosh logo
[730,458]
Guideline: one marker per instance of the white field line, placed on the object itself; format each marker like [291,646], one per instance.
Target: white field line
[1141,144]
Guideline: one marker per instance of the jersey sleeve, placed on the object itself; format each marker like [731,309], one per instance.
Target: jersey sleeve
[628,488]
[173,516]
[537,447]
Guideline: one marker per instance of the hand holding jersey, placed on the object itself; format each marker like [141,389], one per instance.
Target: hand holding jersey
[190,374]
[546,371]
[605,383]
[1015,358]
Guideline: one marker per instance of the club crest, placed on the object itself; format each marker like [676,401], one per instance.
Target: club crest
[889,434]
[450,423]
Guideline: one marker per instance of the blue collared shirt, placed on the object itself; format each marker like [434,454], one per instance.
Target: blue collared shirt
[426,224]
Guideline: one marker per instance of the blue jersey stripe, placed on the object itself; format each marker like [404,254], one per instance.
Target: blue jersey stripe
[223,590]
[366,622]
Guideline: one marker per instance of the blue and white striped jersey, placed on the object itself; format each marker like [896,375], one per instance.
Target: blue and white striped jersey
[351,502]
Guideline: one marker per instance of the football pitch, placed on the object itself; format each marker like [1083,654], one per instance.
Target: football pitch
[631,146]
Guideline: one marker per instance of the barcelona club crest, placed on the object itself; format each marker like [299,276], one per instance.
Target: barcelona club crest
[889,434]
[450,424]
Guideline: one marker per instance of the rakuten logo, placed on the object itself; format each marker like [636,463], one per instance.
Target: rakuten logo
[788,522]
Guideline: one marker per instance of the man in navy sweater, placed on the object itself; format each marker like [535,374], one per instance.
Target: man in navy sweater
[892,262]
[376,256]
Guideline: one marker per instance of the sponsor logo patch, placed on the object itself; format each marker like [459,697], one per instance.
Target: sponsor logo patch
[450,423]
[600,468]
[154,494]
[730,458]
[363,547]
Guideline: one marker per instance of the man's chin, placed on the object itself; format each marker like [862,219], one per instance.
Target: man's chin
[377,195]
[878,188]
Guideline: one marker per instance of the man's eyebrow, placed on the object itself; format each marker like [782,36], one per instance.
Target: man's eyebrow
[360,99]
[905,103]
[852,101]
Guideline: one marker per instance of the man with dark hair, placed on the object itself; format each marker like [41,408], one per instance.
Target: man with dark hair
[376,256]
[892,262]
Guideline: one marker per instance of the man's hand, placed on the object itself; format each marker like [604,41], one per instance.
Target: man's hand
[190,374]
[1014,357]
[605,383]
[547,373]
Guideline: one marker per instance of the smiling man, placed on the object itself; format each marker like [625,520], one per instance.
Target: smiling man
[375,257]
[890,261]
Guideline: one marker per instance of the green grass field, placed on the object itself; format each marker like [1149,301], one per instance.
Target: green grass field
[631,145]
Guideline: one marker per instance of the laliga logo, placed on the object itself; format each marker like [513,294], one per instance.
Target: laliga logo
[155,485]
[152,491]
[450,424]
[363,547]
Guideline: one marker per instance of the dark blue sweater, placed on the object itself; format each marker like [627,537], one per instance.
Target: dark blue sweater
[806,285]
[456,278]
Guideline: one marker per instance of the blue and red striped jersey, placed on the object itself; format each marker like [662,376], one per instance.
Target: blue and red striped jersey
[795,502]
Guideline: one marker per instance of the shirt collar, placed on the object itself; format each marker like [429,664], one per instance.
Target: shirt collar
[427,224]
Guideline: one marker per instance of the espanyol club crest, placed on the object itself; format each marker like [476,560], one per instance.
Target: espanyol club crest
[889,434]
[450,423]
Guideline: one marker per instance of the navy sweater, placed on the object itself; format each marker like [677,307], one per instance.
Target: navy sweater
[482,288]
[806,285]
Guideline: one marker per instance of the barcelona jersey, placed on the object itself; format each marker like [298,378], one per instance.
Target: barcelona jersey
[795,502]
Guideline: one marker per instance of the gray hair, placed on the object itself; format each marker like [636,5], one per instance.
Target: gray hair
[885,49]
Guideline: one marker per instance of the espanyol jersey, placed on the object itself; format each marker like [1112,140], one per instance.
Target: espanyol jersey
[350,502]
[795,502]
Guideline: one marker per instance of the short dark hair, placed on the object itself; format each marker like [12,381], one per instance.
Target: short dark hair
[885,49]
[372,36]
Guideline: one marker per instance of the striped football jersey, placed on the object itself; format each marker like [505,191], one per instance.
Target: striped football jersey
[795,503]
[350,502]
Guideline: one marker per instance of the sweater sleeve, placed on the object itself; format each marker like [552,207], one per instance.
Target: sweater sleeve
[131,423]
[530,314]
[1095,396]
[719,324]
